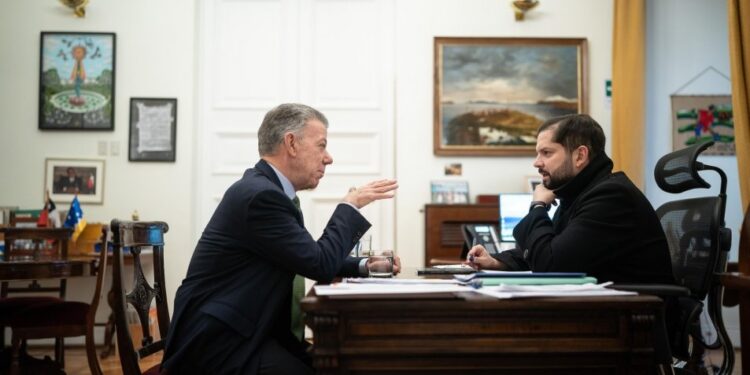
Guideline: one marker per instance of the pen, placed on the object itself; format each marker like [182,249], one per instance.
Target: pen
[476,283]
[469,257]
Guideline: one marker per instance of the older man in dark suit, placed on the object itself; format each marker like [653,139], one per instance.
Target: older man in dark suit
[232,311]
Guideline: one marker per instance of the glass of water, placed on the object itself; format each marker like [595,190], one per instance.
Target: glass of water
[363,247]
[380,263]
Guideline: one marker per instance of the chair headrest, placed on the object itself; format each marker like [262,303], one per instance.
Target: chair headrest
[677,171]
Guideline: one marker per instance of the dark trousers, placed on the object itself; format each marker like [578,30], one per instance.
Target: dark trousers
[218,349]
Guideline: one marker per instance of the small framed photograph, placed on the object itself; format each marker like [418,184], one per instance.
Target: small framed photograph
[453,169]
[77,81]
[450,192]
[64,178]
[153,129]
[532,182]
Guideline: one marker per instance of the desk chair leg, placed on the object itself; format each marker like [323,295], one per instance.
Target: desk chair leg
[91,351]
[109,328]
[60,351]
[109,334]
[664,369]
[15,356]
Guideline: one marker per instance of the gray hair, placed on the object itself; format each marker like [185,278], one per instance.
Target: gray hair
[285,118]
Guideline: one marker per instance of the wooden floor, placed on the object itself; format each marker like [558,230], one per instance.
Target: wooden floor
[76,363]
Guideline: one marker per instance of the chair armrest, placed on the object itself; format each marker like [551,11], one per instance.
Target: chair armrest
[661,290]
[733,267]
[735,280]
[734,284]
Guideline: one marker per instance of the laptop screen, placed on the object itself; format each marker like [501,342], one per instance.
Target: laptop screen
[513,208]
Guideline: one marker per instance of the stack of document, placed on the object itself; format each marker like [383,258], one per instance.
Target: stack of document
[496,284]
[393,288]
[490,278]
[563,290]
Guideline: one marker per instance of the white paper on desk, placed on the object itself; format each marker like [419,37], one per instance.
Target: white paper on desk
[471,276]
[391,281]
[563,290]
[372,290]
[453,266]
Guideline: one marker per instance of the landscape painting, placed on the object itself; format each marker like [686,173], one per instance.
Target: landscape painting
[491,94]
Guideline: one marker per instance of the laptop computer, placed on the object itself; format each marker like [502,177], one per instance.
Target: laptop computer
[513,207]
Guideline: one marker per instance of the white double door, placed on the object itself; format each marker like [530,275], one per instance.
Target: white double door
[334,55]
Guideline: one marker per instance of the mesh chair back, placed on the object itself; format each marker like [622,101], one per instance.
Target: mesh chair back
[677,171]
[699,246]
[692,230]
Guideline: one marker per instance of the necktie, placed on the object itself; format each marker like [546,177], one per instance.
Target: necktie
[298,292]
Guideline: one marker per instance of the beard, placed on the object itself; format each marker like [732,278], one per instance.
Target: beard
[561,176]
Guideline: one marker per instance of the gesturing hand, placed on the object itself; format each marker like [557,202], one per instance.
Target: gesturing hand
[380,189]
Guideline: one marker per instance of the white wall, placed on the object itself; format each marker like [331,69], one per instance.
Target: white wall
[154,58]
[417,23]
[684,38]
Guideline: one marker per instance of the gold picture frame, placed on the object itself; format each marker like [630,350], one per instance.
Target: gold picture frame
[491,94]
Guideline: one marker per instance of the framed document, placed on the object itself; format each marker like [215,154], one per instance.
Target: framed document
[153,123]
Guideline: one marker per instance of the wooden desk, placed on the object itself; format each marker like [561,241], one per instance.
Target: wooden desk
[47,269]
[84,265]
[739,284]
[598,335]
[19,270]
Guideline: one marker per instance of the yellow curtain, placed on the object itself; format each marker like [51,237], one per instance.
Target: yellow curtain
[628,77]
[739,58]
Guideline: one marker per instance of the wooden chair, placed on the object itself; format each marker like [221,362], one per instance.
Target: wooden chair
[56,318]
[24,218]
[135,236]
[29,243]
[737,285]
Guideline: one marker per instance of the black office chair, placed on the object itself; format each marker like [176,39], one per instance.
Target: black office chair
[699,246]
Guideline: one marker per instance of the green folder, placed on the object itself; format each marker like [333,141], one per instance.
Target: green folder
[493,281]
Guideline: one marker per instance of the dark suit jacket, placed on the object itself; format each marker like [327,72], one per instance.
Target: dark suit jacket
[242,270]
[604,227]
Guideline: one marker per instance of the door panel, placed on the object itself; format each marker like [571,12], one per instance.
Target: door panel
[335,55]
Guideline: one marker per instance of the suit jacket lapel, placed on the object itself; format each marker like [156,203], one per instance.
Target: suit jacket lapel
[265,169]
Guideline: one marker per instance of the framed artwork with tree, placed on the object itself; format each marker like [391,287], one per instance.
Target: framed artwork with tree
[77,81]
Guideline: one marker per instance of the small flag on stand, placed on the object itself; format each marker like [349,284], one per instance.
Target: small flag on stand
[43,221]
[75,218]
[49,216]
